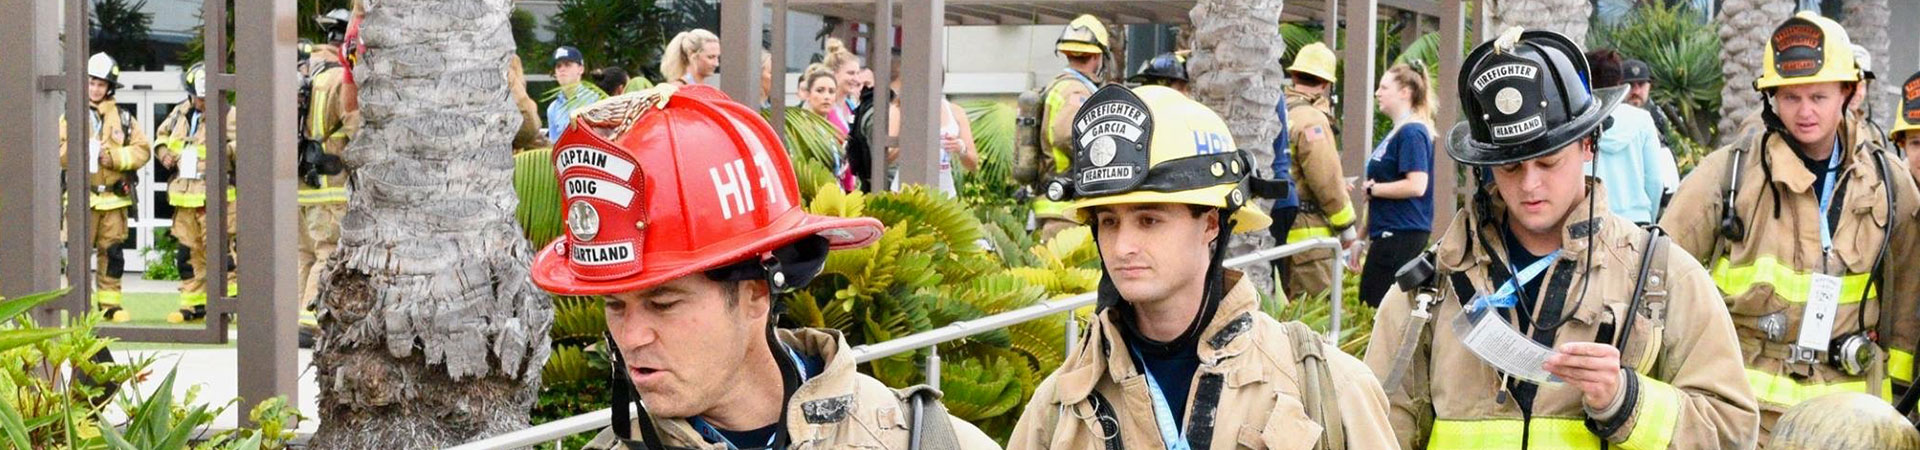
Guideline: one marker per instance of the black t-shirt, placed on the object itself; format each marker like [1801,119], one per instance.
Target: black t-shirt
[1819,169]
[1550,307]
[1172,367]
[760,437]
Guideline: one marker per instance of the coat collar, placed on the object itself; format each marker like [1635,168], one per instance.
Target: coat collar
[1219,338]
[1612,236]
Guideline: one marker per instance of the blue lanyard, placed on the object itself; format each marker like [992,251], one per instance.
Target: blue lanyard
[1091,86]
[1170,431]
[713,435]
[193,123]
[1826,199]
[1504,297]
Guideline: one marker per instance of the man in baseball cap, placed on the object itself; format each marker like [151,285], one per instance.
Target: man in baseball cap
[683,215]
[568,66]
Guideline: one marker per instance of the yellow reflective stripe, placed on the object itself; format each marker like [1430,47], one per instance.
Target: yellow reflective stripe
[317,109]
[1542,434]
[1789,284]
[1048,209]
[1342,218]
[233,195]
[1783,390]
[125,155]
[1900,365]
[187,200]
[106,202]
[107,298]
[1302,234]
[323,195]
[1659,414]
[192,299]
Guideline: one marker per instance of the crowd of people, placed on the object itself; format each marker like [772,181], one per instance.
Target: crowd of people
[1563,307]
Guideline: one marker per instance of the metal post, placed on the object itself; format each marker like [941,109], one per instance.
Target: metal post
[1330,34]
[79,243]
[221,81]
[1453,35]
[920,88]
[739,37]
[1073,330]
[1356,102]
[880,47]
[933,366]
[1336,295]
[30,215]
[265,33]
[778,98]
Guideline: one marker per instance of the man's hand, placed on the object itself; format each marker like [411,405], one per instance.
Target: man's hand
[1592,367]
[169,159]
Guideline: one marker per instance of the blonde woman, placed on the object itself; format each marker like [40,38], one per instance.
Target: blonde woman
[691,57]
[1399,188]
[845,67]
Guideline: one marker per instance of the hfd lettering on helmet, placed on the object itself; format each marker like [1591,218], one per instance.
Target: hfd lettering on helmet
[732,188]
[735,194]
[1207,143]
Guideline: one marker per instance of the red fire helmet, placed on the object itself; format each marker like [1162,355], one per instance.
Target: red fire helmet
[668,182]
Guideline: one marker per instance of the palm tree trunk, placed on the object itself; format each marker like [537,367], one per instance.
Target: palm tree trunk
[1568,17]
[1236,44]
[1745,26]
[432,332]
[1867,24]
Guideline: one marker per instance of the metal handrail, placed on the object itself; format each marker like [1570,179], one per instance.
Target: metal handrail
[551,431]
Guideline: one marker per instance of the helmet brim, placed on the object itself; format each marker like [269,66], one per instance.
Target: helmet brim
[1247,218]
[553,272]
[1078,47]
[1466,150]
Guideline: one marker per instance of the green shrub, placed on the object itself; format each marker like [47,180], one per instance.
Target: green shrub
[53,393]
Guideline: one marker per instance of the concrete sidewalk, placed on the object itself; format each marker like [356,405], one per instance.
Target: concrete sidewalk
[216,373]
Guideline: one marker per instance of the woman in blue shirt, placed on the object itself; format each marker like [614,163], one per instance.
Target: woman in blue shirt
[1398,187]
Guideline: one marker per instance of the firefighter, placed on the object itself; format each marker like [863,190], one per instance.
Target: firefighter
[116,149]
[1180,355]
[182,146]
[1806,221]
[1324,209]
[330,123]
[1167,69]
[1907,120]
[1556,324]
[1085,45]
[684,216]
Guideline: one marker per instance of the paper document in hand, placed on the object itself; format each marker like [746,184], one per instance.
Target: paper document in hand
[190,162]
[1496,343]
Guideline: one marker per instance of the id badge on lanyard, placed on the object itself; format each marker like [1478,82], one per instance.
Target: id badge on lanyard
[1489,336]
[1823,289]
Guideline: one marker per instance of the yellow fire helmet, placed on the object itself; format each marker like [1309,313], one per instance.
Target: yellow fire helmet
[1807,49]
[1151,144]
[1084,35]
[1317,60]
[1909,117]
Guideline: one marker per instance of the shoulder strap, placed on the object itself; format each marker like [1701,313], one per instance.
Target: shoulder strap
[1316,384]
[1649,290]
[929,427]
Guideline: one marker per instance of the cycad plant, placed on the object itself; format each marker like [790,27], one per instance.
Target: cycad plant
[575,380]
[1684,52]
